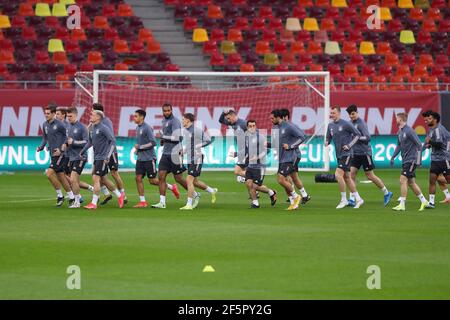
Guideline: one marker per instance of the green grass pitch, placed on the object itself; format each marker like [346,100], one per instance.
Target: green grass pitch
[316,252]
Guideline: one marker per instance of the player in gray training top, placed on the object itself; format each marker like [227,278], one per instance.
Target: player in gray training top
[171,160]
[362,156]
[345,136]
[194,139]
[255,153]
[411,150]
[55,136]
[77,138]
[146,158]
[438,139]
[286,138]
[113,163]
[103,142]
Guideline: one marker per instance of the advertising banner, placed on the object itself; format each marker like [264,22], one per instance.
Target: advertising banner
[19,153]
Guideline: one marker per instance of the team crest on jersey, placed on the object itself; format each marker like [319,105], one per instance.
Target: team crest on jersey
[404,135]
[140,132]
[75,131]
[283,131]
[97,131]
[55,127]
[340,128]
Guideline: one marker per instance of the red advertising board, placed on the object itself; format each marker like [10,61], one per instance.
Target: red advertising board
[21,112]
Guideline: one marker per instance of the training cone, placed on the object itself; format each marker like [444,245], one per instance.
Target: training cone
[208,269]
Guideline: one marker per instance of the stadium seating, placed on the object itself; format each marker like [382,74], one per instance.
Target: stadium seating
[330,34]
[35,41]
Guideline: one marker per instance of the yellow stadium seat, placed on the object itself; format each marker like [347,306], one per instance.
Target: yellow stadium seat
[332,48]
[55,45]
[59,10]
[67,2]
[366,48]
[293,24]
[200,35]
[407,37]
[271,59]
[4,22]
[42,10]
[405,4]
[422,4]
[310,24]
[227,47]
[339,3]
[385,14]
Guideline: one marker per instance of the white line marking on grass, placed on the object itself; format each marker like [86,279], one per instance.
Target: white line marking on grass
[26,200]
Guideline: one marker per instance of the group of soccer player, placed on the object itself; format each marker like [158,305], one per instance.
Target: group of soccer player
[68,141]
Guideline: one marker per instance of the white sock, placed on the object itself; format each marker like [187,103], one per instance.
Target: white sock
[70,194]
[352,196]
[422,198]
[303,192]
[117,193]
[271,193]
[94,199]
[402,200]
[294,194]
[162,199]
[169,186]
[344,196]
[105,190]
[59,193]
[189,201]
[91,188]
[122,190]
[196,194]
[432,198]
[77,198]
[357,197]
[291,200]
[255,202]
[447,194]
[385,190]
[209,190]
[142,198]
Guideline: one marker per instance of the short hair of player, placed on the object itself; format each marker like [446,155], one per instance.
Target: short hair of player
[436,116]
[99,112]
[251,121]
[167,104]
[141,112]
[351,108]
[427,113]
[276,113]
[231,111]
[285,113]
[73,110]
[402,116]
[62,110]
[336,108]
[189,116]
[50,107]
[98,106]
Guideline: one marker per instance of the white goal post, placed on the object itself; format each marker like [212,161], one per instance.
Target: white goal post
[305,94]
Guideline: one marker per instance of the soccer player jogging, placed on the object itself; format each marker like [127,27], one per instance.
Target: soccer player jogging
[103,142]
[146,158]
[55,136]
[438,139]
[362,156]
[285,113]
[171,159]
[255,153]
[345,136]
[194,140]
[113,163]
[77,138]
[411,150]
[286,138]
[61,115]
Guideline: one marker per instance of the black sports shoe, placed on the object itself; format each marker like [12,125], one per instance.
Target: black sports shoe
[254,206]
[273,198]
[106,200]
[288,201]
[59,201]
[306,199]
[71,201]
[125,200]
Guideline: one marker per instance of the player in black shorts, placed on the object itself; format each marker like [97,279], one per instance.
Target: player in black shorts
[362,156]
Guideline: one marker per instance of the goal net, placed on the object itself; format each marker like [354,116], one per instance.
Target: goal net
[207,95]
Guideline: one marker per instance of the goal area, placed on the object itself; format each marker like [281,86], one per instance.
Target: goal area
[207,94]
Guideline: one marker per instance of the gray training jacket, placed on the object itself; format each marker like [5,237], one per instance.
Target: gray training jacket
[79,133]
[409,145]
[342,133]
[171,134]
[439,143]
[145,138]
[55,135]
[102,140]
[362,146]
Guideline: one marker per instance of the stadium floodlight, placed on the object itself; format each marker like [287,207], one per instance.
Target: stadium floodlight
[252,94]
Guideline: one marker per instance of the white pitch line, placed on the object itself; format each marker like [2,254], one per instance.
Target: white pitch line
[27,200]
